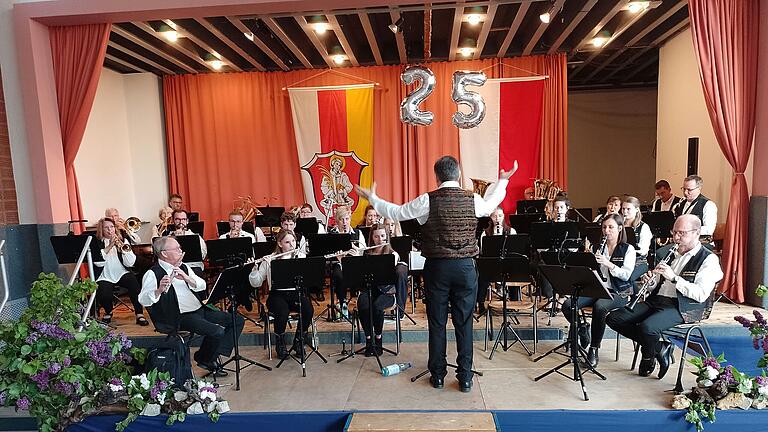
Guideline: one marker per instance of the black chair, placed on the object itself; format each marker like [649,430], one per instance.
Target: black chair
[685,331]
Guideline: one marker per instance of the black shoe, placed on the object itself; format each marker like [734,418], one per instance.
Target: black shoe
[369,348]
[213,368]
[378,348]
[592,357]
[646,367]
[584,336]
[106,319]
[465,386]
[282,352]
[142,321]
[436,382]
[665,358]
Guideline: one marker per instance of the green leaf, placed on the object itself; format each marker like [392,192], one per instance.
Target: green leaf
[80,336]
[28,369]
[25,349]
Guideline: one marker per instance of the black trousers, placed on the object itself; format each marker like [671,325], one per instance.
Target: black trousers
[600,310]
[646,322]
[216,327]
[106,289]
[451,281]
[381,302]
[401,286]
[337,282]
[280,305]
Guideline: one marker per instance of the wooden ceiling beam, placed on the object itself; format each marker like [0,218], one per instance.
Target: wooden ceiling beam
[542,28]
[603,22]
[458,13]
[204,45]
[394,15]
[122,62]
[571,26]
[521,11]
[230,43]
[283,36]
[366,22]
[177,46]
[141,58]
[142,43]
[490,14]
[302,22]
[258,42]
[334,23]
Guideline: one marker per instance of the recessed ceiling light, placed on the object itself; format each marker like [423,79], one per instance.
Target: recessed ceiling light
[474,19]
[216,64]
[320,28]
[638,6]
[249,36]
[466,51]
[170,35]
[599,41]
[339,59]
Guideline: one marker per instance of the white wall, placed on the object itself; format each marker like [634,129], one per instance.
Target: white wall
[683,114]
[121,162]
[611,138]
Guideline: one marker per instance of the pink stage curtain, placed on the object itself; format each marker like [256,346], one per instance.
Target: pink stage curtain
[725,38]
[231,135]
[78,54]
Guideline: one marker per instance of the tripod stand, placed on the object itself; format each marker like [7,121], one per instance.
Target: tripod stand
[295,275]
[370,271]
[226,286]
[326,245]
[573,281]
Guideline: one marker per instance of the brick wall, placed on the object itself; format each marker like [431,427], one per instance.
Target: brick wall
[9,211]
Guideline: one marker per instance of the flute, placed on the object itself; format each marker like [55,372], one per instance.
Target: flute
[342,253]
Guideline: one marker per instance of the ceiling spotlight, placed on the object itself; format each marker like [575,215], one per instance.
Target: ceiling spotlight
[216,64]
[601,39]
[638,6]
[320,27]
[466,51]
[397,26]
[474,19]
[546,17]
[339,59]
[170,35]
[249,36]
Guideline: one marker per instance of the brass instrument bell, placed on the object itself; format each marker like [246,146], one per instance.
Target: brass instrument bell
[132,224]
[480,186]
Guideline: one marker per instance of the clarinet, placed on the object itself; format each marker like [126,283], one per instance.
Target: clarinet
[653,280]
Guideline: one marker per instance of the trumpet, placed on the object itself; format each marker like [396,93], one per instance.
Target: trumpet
[653,280]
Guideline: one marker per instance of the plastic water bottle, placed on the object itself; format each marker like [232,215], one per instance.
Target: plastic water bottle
[395,369]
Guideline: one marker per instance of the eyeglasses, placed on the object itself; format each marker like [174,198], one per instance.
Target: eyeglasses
[681,232]
[685,189]
[180,219]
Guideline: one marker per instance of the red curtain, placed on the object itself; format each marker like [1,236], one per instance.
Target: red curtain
[231,135]
[78,55]
[725,39]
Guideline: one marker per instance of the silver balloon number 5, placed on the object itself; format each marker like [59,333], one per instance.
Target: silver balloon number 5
[409,107]
[460,95]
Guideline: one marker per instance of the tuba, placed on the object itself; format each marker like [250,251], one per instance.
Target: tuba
[479,186]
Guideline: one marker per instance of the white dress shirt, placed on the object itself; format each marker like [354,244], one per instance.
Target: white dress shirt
[665,205]
[623,272]
[709,221]
[644,242]
[708,275]
[113,270]
[419,208]
[187,301]
[244,234]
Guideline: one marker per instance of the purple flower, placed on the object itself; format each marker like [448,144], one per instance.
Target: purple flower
[32,338]
[51,330]
[765,344]
[727,376]
[756,342]
[208,389]
[761,381]
[154,392]
[76,386]
[22,403]
[114,381]
[743,321]
[64,388]
[67,361]
[2,398]
[162,385]
[54,368]
[711,361]
[41,378]
[759,318]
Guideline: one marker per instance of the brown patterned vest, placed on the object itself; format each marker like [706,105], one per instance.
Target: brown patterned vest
[450,229]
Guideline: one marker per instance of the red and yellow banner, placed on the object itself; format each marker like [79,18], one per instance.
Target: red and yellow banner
[334,141]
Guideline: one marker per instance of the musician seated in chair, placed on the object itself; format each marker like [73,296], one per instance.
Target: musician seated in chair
[679,296]
[282,303]
[305,212]
[288,223]
[236,229]
[383,295]
[118,258]
[168,289]
[612,206]
[343,217]
[180,222]
[617,261]
[166,222]
[370,218]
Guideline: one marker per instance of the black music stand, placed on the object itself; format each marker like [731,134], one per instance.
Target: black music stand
[193,216]
[412,228]
[68,248]
[522,222]
[661,224]
[269,217]
[197,227]
[295,275]
[402,245]
[229,251]
[368,271]
[261,249]
[554,235]
[190,244]
[576,282]
[324,245]
[228,285]
[307,226]
[531,206]
[482,224]
[506,268]
[222,227]
[592,232]
[511,244]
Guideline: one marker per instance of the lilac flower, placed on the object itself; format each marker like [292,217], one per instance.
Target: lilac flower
[54,368]
[765,344]
[154,392]
[208,389]
[41,378]
[22,403]
[32,338]
[63,388]
[761,381]
[51,330]
[114,381]
[67,361]
[2,398]
[99,352]
[727,376]
[711,361]
[743,321]
[759,318]
[162,385]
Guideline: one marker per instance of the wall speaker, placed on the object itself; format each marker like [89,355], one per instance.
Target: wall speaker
[693,156]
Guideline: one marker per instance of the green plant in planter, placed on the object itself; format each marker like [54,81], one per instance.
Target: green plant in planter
[49,367]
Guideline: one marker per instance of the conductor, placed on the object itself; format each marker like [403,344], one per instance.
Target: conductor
[448,216]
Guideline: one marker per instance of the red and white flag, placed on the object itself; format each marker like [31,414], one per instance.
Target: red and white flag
[510,131]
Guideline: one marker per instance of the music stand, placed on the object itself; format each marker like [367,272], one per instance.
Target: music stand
[270,216]
[576,282]
[512,268]
[412,228]
[592,232]
[295,275]
[511,243]
[482,224]
[553,235]
[531,206]
[326,245]
[307,226]
[661,224]
[261,249]
[522,222]
[229,251]
[228,285]
[190,244]
[193,216]
[74,249]
[368,271]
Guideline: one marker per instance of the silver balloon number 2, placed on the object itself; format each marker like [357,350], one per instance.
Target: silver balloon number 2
[460,95]
[409,107]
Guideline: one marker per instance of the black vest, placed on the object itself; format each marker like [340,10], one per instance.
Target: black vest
[690,309]
[165,313]
[657,203]
[451,225]
[698,207]
[638,229]
[617,258]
